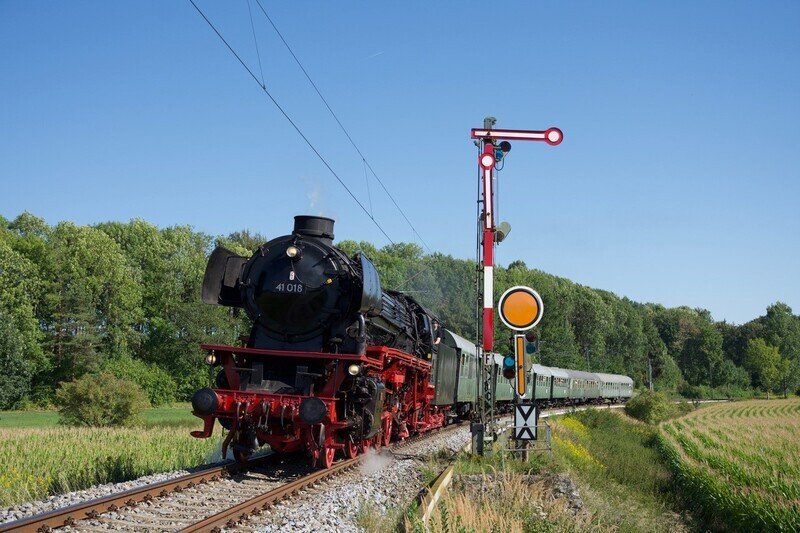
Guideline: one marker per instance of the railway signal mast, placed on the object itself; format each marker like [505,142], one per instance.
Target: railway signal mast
[493,144]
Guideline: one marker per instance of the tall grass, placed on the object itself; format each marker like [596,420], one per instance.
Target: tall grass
[509,504]
[622,477]
[35,463]
[619,474]
[176,415]
[739,466]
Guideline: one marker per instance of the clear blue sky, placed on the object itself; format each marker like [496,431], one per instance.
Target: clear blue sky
[677,182]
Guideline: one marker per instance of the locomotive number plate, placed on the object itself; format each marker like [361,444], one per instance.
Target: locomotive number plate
[290,287]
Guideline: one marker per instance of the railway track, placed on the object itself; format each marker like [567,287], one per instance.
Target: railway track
[207,500]
[69,515]
[189,503]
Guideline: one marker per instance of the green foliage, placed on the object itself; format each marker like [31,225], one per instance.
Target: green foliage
[704,392]
[21,354]
[45,461]
[737,464]
[174,415]
[78,298]
[14,368]
[764,362]
[154,381]
[99,400]
[621,476]
[654,407]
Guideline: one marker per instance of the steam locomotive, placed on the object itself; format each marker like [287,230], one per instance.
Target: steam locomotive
[333,363]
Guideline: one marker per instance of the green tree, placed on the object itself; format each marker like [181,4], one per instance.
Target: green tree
[98,400]
[95,300]
[764,362]
[21,354]
[242,242]
[728,374]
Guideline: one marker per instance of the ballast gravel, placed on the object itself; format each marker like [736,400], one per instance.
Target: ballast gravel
[381,482]
[59,501]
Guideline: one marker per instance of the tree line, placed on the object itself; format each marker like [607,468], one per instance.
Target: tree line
[124,299]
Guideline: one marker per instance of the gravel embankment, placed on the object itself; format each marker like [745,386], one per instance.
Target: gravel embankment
[385,480]
[58,501]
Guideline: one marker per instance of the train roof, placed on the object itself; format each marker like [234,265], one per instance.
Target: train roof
[558,372]
[614,378]
[580,374]
[457,341]
[541,370]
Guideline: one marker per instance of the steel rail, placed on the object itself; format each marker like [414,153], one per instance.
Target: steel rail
[232,516]
[240,512]
[68,516]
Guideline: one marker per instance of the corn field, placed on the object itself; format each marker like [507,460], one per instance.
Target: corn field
[739,463]
[35,463]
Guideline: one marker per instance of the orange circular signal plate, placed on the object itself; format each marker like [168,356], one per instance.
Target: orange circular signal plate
[520,308]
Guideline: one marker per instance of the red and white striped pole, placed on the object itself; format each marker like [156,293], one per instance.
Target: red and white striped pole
[486,162]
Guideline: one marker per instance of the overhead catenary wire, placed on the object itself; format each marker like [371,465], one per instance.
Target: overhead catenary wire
[366,179]
[289,119]
[339,122]
[255,40]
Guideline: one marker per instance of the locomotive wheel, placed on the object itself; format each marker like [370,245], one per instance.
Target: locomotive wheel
[326,457]
[376,442]
[240,456]
[350,448]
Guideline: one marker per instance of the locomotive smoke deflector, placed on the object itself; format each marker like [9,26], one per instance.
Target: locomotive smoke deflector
[221,280]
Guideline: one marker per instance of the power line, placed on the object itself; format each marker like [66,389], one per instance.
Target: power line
[339,122]
[286,115]
[255,40]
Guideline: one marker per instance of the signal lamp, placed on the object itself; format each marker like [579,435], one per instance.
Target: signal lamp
[531,342]
[211,359]
[505,146]
[509,366]
[553,136]
[487,161]
[353,370]
[501,231]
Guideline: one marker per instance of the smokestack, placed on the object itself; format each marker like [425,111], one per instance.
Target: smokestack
[313,226]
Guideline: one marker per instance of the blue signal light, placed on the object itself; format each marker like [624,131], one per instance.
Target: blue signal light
[509,366]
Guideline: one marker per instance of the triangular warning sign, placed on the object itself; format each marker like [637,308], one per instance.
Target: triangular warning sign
[525,411]
[525,422]
[525,434]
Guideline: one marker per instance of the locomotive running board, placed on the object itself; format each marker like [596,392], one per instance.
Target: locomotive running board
[374,358]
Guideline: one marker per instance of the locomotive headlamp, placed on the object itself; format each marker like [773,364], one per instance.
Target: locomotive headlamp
[293,252]
[353,370]
[211,358]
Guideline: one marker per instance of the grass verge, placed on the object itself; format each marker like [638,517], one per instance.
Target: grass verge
[623,483]
[36,462]
[176,415]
